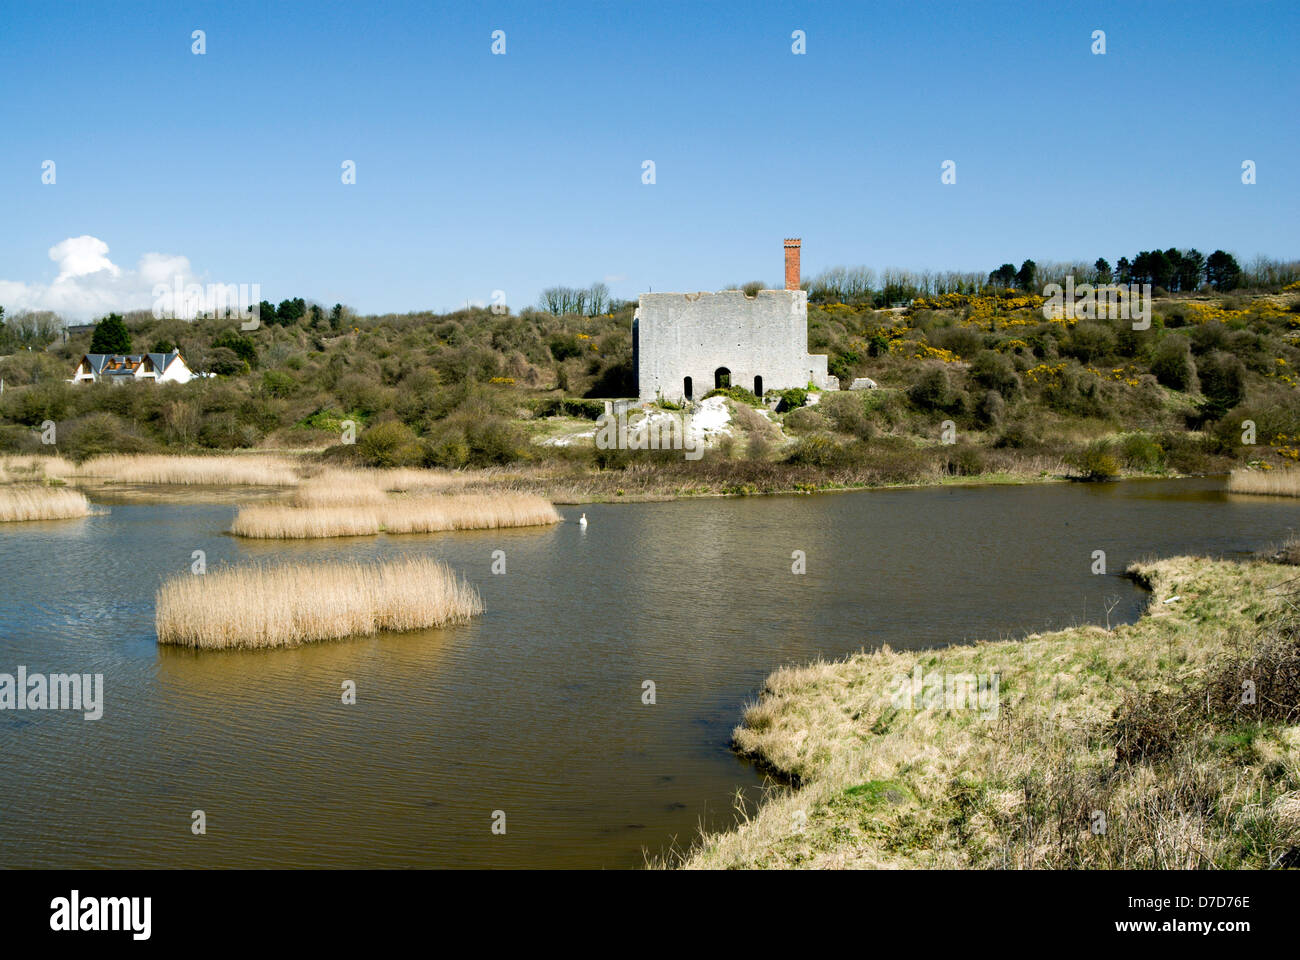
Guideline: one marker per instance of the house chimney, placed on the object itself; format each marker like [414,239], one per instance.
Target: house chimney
[792,263]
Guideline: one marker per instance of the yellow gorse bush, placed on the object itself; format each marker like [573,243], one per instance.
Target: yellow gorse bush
[1045,371]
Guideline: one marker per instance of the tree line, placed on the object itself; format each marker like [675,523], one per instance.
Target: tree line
[1171,270]
[592,301]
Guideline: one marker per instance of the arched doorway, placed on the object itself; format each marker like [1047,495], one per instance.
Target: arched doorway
[722,379]
[687,388]
[758,386]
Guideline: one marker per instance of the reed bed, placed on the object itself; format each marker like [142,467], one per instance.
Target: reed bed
[339,488]
[342,485]
[190,470]
[336,486]
[1277,483]
[395,515]
[29,467]
[18,503]
[292,604]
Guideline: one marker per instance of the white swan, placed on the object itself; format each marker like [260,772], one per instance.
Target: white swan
[582,520]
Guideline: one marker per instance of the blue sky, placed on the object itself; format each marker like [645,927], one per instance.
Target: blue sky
[478,172]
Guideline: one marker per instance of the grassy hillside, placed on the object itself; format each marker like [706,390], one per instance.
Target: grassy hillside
[1026,396]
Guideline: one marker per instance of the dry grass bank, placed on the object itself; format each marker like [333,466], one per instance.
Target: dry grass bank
[1277,483]
[1108,749]
[291,604]
[41,503]
[187,470]
[395,515]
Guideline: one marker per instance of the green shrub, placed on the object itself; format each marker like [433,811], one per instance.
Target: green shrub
[449,450]
[1097,460]
[495,441]
[805,420]
[34,405]
[934,390]
[224,362]
[1140,451]
[736,393]
[791,399]
[1017,436]
[818,450]
[99,433]
[389,444]
[1223,382]
[566,407]
[1173,365]
[1187,453]
[847,412]
[239,345]
[989,409]
[963,341]
[1090,342]
[1076,392]
[565,346]
[963,460]
[996,371]
[278,384]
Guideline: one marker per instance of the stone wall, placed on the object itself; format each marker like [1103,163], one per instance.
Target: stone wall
[680,335]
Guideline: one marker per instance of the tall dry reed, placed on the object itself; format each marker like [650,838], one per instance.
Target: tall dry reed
[292,604]
[215,470]
[18,468]
[41,503]
[395,515]
[1278,483]
[337,488]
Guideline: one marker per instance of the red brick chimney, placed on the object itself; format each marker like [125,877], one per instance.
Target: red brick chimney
[792,263]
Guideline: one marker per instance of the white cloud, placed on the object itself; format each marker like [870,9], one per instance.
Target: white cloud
[90,285]
[81,257]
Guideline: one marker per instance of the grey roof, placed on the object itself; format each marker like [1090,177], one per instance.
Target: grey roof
[160,361]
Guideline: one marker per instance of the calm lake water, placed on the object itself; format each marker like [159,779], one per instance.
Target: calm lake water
[535,708]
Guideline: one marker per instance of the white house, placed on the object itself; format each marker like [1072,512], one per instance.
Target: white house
[117,368]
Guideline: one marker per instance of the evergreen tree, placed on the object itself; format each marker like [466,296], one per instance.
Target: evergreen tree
[1175,258]
[111,336]
[1191,269]
[290,311]
[1025,276]
[1003,276]
[1222,271]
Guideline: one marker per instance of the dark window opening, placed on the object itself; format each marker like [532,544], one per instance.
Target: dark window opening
[722,379]
[686,384]
[758,386]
